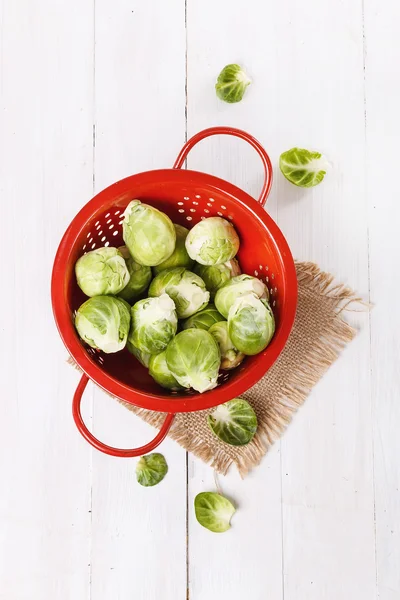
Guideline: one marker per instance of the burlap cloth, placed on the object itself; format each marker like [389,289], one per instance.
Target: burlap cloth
[318,336]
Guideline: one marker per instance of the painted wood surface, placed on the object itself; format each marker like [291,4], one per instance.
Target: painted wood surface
[93,91]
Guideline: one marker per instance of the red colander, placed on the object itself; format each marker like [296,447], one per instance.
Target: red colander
[186,197]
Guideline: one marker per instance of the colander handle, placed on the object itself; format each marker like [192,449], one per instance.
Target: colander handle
[76,412]
[237,133]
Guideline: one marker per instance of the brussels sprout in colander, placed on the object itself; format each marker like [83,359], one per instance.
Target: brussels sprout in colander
[193,358]
[160,372]
[139,277]
[148,233]
[179,257]
[154,324]
[212,241]
[142,357]
[238,286]
[251,324]
[203,319]
[103,323]
[230,356]
[186,289]
[102,271]
[215,276]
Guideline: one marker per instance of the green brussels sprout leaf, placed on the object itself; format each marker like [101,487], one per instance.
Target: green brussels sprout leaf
[303,168]
[148,233]
[234,422]
[103,323]
[151,469]
[232,83]
[212,241]
[213,511]
[203,319]
[102,271]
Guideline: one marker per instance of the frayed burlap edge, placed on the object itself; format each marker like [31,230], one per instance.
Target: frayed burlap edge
[290,394]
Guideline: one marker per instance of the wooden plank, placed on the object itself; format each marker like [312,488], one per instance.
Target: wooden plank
[139,534]
[45,176]
[327,494]
[383,130]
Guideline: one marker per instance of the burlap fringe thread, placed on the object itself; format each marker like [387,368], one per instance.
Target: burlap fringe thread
[318,337]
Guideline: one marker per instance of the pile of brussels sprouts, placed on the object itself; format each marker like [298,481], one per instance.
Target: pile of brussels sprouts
[200,314]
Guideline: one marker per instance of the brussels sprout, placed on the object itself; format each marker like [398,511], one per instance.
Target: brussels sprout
[142,357]
[148,233]
[203,319]
[238,286]
[193,359]
[179,257]
[212,241]
[232,83]
[159,371]
[213,511]
[154,324]
[303,167]
[186,289]
[215,276]
[234,422]
[103,323]
[140,277]
[151,469]
[251,324]
[230,356]
[102,271]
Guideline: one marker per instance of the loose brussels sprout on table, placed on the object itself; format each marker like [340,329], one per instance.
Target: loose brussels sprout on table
[234,422]
[203,319]
[151,469]
[213,511]
[154,324]
[238,286]
[139,277]
[230,356]
[186,289]
[179,257]
[251,324]
[215,276]
[160,372]
[303,168]
[212,241]
[103,323]
[232,83]
[148,233]
[193,358]
[102,271]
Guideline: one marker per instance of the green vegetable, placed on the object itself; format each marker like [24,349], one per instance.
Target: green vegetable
[103,323]
[179,257]
[215,276]
[238,286]
[154,324]
[203,319]
[251,324]
[151,469]
[160,372]
[212,241]
[140,277]
[142,357]
[193,359]
[230,356]
[186,289]
[234,422]
[102,271]
[232,83]
[148,233]
[213,511]
[303,167]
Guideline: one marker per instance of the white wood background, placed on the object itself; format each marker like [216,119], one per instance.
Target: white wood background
[92,91]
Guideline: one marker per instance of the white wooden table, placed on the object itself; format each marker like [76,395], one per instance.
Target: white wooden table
[94,90]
